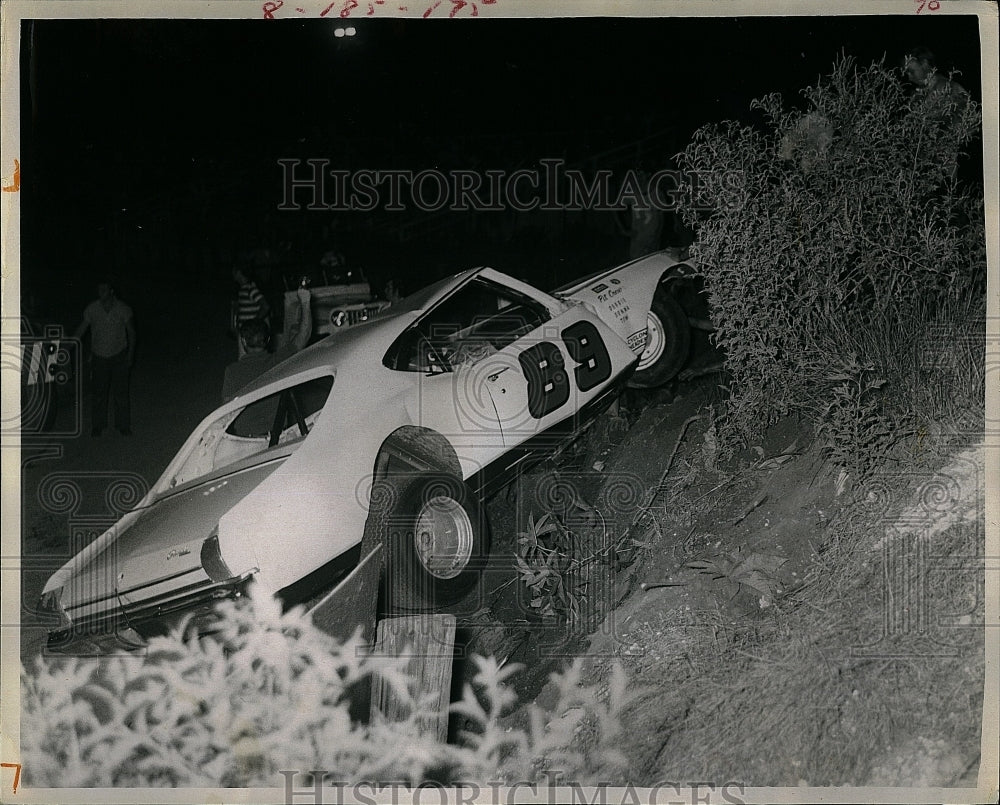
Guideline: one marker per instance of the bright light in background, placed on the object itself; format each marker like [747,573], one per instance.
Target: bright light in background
[340,32]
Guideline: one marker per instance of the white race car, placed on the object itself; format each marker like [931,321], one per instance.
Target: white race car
[382,438]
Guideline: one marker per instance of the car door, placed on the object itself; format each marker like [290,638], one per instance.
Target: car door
[542,382]
[501,365]
[537,361]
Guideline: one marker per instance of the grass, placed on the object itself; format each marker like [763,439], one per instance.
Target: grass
[930,373]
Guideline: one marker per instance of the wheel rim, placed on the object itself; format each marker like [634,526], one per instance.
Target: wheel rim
[443,537]
[656,342]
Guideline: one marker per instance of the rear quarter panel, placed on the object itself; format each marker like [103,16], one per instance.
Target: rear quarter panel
[314,507]
[622,296]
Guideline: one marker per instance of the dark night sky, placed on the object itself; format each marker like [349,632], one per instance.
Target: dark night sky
[187,86]
[135,113]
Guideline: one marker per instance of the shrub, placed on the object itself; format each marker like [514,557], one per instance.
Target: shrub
[270,692]
[829,239]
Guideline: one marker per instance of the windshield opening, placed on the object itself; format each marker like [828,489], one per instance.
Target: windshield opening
[479,319]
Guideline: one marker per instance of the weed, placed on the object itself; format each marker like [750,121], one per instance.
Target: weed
[548,562]
[836,240]
[756,571]
[563,569]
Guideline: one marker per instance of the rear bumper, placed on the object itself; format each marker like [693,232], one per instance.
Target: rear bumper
[130,627]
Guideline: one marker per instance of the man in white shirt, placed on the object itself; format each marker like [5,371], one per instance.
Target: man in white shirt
[112,349]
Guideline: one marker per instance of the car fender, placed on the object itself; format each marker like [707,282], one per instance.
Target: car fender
[63,575]
[623,296]
[314,507]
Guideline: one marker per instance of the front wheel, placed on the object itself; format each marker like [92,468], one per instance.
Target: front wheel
[438,542]
[668,341]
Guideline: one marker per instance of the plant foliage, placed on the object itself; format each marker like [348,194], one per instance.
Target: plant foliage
[270,692]
[563,568]
[830,240]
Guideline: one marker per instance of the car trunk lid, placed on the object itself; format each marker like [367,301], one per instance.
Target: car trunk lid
[161,550]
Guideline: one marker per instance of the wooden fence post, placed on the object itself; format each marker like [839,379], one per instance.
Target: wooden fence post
[428,641]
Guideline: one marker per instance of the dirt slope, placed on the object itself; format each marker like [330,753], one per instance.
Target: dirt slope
[753,617]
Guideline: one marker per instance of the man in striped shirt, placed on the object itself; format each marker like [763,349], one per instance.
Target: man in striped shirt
[250,304]
[254,336]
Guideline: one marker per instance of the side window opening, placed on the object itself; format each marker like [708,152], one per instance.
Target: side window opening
[281,418]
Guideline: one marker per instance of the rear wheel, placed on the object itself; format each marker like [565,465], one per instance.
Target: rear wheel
[437,541]
[668,341]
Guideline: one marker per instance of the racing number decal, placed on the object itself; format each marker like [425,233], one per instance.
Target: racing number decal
[542,364]
[587,349]
[548,386]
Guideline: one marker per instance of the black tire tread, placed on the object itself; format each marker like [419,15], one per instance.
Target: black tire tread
[677,331]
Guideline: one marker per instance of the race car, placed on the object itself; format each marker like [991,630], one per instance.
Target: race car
[382,438]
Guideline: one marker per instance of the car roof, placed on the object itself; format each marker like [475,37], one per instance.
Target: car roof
[366,341]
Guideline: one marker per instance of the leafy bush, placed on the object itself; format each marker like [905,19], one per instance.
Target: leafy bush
[270,692]
[549,567]
[565,570]
[829,239]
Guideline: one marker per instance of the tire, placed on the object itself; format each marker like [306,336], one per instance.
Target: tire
[437,542]
[668,342]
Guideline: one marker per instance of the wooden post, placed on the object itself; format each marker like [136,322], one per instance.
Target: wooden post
[428,641]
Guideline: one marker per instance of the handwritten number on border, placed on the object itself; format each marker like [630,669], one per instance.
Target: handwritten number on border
[17,772]
[348,7]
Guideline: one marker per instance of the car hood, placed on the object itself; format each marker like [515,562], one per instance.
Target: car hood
[163,543]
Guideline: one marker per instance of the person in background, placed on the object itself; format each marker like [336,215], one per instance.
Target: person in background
[250,304]
[946,99]
[920,68]
[254,336]
[112,350]
[645,228]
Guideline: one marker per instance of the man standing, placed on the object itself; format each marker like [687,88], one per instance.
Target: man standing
[112,348]
[254,336]
[250,304]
